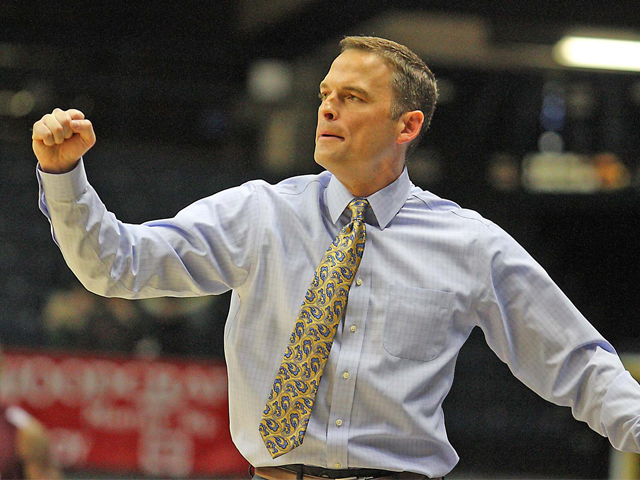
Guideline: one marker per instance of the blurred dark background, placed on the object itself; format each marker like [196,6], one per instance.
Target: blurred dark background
[188,98]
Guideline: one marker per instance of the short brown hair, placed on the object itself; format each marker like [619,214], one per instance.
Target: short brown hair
[414,86]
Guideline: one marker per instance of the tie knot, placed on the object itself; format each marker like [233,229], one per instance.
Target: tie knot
[357,207]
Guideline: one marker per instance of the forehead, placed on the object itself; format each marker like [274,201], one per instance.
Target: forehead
[360,68]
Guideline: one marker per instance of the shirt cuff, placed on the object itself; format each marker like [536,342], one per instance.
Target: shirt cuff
[64,186]
[619,413]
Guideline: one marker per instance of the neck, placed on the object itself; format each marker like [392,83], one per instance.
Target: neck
[366,185]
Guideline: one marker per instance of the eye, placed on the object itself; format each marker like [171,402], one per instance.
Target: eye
[352,98]
[322,96]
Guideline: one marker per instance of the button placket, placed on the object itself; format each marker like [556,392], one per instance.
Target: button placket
[346,366]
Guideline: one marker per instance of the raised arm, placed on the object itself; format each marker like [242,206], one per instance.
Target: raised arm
[205,249]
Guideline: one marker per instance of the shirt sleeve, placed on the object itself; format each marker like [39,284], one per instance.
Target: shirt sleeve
[205,249]
[549,345]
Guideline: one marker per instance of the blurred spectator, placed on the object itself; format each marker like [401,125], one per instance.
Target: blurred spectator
[76,319]
[113,326]
[65,315]
[24,446]
[183,326]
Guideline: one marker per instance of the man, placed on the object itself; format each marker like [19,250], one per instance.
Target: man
[420,273]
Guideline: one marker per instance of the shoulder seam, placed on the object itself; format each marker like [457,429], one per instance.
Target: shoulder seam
[303,190]
[483,221]
[422,200]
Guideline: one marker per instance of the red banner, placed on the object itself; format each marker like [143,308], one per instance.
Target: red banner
[164,417]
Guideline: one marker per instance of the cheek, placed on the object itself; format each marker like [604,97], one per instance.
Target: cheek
[379,137]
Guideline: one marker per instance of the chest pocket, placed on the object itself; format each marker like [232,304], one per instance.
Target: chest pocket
[417,322]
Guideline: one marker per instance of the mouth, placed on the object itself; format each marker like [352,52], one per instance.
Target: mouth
[329,136]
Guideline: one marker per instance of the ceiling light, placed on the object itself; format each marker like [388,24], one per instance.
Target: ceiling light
[601,53]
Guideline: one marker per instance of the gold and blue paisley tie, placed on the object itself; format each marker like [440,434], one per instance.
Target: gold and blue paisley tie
[286,415]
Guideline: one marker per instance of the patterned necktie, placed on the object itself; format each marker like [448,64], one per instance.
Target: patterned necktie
[286,415]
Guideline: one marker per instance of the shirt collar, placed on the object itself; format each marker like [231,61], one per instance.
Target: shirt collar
[385,203]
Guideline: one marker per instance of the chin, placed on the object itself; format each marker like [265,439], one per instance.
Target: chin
[321,160]
[332,161]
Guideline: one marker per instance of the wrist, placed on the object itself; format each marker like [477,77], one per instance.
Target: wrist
[58,169]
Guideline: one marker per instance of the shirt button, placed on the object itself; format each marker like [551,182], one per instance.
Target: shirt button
[358,282]
[337,465]
[352,329]
[345,375]
[339,422]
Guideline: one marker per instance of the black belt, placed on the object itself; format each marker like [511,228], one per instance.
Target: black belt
[303,470]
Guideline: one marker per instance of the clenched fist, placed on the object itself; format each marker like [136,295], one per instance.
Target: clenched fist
[60,138]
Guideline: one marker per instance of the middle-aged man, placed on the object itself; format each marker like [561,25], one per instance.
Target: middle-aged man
[325,389]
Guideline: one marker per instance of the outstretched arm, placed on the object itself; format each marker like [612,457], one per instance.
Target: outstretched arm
[548,345]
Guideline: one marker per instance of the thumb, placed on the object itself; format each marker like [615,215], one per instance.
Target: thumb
[84,128]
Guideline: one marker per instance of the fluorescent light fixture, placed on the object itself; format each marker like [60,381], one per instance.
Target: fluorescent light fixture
[601,53]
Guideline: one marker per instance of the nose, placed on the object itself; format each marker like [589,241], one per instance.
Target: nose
[328,109]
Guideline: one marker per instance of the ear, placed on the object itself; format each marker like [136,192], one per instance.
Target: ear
[410,124]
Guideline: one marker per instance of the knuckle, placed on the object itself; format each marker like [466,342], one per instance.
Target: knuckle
[61,115]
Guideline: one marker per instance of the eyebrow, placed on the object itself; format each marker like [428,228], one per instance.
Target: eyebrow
[350,88]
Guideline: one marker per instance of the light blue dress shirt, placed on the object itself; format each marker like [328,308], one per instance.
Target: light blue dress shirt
[430,273]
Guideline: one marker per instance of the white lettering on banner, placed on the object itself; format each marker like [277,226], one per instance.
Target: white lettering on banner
[199,424]
[122,419]
[203,387]
[80,380]
[73,383]
[102,416]
[35,381]
[164,410]
[163,389]
[124,380]
[68,447]
[166,452]
[40,381]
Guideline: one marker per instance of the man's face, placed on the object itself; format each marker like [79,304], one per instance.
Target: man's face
[355,132]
